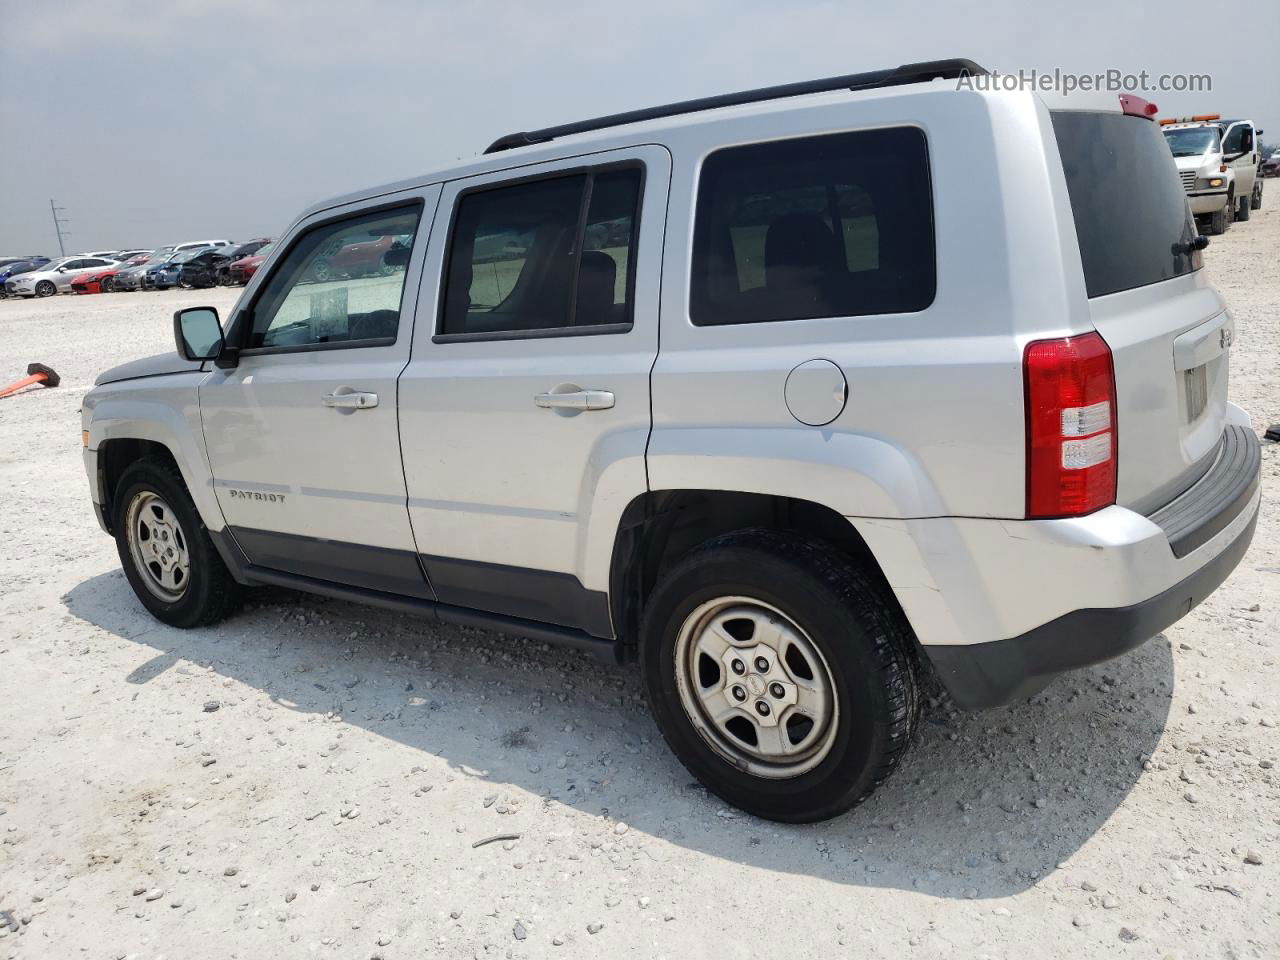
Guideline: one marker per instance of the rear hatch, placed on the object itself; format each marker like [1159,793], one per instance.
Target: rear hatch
[1168,329]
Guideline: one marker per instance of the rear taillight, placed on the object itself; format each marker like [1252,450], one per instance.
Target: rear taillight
[1071,426]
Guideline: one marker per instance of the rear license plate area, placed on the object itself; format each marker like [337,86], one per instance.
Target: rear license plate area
[1196,386]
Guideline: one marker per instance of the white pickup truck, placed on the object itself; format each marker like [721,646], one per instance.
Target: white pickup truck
[1218,162]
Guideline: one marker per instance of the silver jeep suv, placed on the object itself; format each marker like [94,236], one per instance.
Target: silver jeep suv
[797,397]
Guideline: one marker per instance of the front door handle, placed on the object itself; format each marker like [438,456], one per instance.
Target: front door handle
[577,400]
[350,399]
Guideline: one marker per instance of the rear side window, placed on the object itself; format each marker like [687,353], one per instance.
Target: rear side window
[548,255]
[1131,213]
[830,226]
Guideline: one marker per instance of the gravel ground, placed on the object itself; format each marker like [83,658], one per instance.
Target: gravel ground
[311,778]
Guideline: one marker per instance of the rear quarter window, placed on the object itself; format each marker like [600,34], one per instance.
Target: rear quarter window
[827,226]
[1131,214]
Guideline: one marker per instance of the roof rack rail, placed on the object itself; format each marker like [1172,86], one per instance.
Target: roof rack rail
[907,73]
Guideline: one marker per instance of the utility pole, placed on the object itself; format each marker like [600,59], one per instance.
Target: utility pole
[57,226]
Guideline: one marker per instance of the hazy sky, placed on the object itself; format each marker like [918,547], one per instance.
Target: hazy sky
[158,123]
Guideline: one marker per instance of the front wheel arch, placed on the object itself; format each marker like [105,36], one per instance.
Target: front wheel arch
[115,456]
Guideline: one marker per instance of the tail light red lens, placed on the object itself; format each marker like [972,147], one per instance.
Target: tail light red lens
[1071,426]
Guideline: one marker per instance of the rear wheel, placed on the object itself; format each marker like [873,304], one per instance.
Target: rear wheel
[46,288]
[322,271]
[165,549]
[780,674]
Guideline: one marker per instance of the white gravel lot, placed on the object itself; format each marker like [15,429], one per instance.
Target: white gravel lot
[328,806]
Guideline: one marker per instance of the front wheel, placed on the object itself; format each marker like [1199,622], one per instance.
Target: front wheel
[780,674]
[165,549]
[1218,221]
[107,285]
[1255,199]
[46,288]
[1242,209]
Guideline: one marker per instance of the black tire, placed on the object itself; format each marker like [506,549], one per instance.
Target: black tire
[46,288]
[107,285]
[321,272]
[1255,199]
[1242,210]
[858,630]
[1218,222]
[210,594]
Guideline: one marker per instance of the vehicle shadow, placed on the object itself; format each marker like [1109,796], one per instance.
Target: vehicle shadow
[985,804]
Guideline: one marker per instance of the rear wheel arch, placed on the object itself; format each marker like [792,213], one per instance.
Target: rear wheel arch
[659,528]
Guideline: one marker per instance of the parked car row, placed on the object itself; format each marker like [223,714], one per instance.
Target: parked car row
[197,263]
[12,266]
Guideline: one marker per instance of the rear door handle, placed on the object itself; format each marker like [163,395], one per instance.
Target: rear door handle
[350,400]
[577,400]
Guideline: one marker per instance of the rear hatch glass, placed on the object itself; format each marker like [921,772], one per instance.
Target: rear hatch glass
[1167,328]
[1132,222]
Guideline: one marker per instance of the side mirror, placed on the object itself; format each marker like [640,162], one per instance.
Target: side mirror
[396,257]
[198,333]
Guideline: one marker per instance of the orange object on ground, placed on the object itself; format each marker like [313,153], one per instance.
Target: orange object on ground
[36,373]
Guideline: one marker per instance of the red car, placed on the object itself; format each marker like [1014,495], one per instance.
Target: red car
[99,281]
[242,270]
[363,258]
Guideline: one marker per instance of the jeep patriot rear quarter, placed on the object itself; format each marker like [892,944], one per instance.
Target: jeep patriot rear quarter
[758,391]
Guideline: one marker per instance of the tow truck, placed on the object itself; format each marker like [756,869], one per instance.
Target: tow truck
[1218,162]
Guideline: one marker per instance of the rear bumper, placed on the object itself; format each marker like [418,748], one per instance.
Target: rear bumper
[1065,593]
[990,674]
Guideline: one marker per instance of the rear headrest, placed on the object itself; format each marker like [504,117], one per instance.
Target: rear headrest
[597,274]
[800,240]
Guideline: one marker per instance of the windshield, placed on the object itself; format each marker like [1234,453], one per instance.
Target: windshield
[183,256]
[1193,141]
